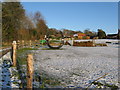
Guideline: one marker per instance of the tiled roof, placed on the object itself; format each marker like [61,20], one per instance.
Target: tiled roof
[81,34]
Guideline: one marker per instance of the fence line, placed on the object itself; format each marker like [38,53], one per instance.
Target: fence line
[29,76]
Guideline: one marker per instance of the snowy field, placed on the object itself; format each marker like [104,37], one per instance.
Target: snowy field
[78,66]
[99,40]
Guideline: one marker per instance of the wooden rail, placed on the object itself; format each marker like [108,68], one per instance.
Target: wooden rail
[2,53]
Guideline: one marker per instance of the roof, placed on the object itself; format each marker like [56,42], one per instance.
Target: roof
[81,34]
[75,35]
[112,34]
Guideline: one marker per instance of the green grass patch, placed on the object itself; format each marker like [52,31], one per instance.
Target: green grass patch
[25,49]
[51,41]
[22,55]
[101,44]
[112,87]
[5,46]
[51,81]
[22,60]
[52,49]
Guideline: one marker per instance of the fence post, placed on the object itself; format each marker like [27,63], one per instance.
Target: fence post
[29,71]
[14,45]
[93,40]
[22,43]
[18,44]
[72,41]
[30,43]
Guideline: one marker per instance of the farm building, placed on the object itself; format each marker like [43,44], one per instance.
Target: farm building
[81,36]
[112,36]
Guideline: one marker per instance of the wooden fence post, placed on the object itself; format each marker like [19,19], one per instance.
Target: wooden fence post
[30,43]
[18,44]
[72,41]
[14,46]
[93,40]
[29,71]
[23,43]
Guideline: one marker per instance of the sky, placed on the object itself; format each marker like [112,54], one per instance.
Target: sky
[119,15]
[77,15]
[62,0]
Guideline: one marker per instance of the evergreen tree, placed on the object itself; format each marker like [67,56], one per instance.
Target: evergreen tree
[12,16]
[101,34]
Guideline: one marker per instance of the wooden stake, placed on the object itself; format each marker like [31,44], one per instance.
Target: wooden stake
[22,42]
[93,42]
[72,41]
[29,71]
[14,45]
[30,43]
[18,44]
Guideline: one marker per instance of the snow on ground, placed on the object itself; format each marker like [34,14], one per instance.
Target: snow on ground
[78,66]
[98,40]
[4,49]
[8,74]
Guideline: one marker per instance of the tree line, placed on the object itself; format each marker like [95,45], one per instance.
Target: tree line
[17,25]
[100,33]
